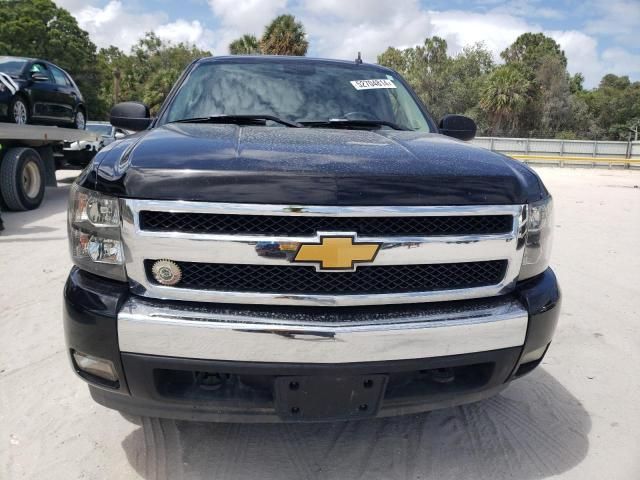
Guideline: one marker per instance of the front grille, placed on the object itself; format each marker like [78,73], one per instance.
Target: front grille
[365,280]
[300,225]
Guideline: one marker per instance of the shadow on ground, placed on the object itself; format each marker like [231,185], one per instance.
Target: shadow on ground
[20,224]
[535,429]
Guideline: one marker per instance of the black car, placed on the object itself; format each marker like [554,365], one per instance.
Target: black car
[37,91]
[295,239]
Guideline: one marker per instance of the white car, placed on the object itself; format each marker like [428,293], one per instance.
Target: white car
[81,152]
[108,133]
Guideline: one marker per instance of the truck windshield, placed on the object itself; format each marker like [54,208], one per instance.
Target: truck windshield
[12,66]
[314,94]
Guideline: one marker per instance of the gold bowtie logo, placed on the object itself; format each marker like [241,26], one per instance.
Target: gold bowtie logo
[337,253]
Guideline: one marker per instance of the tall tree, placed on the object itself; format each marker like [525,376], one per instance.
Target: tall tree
[284,36]
[530,48]
[541,60]
[445,84]
[504,98]
[38,28]
[465,76]
[394,59]
[615,104]
[554,86]
[245,45]
[425,68]
[149,71]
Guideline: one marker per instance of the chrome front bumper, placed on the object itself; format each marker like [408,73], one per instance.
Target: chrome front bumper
[307,337]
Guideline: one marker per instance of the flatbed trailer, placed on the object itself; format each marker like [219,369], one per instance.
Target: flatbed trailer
[29,158]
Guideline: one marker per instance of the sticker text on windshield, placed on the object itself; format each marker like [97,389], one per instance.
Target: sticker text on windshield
[371,84]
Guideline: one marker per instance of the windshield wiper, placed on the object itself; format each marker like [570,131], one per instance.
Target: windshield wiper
[240,119]
[347,123]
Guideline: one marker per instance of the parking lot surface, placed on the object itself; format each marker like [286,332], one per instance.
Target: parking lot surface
[576,417]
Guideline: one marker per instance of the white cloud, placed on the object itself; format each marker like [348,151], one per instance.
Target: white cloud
[114,25]
[341,28]
[344,38]
[237,17]
[622,62]
[583,56]
[581,51]
[619,19]
[361,11]
[73,5]
[247,16]
[182,31]
[527,8]
[496,30]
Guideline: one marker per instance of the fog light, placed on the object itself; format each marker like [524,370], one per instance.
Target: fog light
[166,272]
[533,355]
[96,366]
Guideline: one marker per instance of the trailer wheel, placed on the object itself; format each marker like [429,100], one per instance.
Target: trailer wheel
[22,179]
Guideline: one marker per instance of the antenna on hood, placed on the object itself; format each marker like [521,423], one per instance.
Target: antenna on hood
[359,59]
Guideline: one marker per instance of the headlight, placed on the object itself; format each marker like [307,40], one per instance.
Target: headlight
[538,238]
[94,233]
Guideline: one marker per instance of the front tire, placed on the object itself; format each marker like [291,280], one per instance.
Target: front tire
[79,120]
[22,179]
[19,111]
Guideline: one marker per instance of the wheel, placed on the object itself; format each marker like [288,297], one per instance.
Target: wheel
[22,179]
[19,111]
[79,121]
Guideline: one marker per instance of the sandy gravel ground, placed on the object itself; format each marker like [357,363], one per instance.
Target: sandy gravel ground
[577,417]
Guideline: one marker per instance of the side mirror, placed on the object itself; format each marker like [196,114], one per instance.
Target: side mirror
[130,116]
[458,126]
[119,135]
[39,77]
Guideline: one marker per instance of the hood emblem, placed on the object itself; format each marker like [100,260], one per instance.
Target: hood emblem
[336,253]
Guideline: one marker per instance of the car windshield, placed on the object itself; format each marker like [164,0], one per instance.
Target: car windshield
[12,66]
[100,129]
[297,92]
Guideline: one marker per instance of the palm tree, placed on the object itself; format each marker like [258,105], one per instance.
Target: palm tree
[284,36]
[245,45]
[505,97]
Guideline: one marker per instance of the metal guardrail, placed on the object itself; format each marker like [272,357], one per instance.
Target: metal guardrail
[573,152]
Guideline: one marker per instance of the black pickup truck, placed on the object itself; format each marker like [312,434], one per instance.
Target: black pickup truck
[295,239]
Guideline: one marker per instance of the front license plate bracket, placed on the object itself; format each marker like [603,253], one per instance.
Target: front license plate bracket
[314,398]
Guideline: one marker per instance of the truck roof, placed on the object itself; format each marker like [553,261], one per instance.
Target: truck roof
[286,58]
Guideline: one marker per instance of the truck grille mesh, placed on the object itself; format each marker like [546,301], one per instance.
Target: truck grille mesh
[365,280]
[300,225]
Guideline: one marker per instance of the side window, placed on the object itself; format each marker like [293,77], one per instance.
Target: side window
[59,76]
[41,69]
[69,81]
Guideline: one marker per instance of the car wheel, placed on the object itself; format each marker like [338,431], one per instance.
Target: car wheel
[22,179]
[19,111]
[79,121]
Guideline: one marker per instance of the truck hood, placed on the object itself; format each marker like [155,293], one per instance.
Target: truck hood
[258,164]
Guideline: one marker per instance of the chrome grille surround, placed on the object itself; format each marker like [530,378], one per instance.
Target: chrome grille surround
[141,245]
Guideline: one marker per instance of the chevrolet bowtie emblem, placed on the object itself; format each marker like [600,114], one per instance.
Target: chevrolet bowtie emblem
[337,253]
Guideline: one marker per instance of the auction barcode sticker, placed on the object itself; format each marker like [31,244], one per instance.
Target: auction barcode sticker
[370,84]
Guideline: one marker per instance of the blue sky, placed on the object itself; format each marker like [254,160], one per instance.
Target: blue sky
[598,36]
